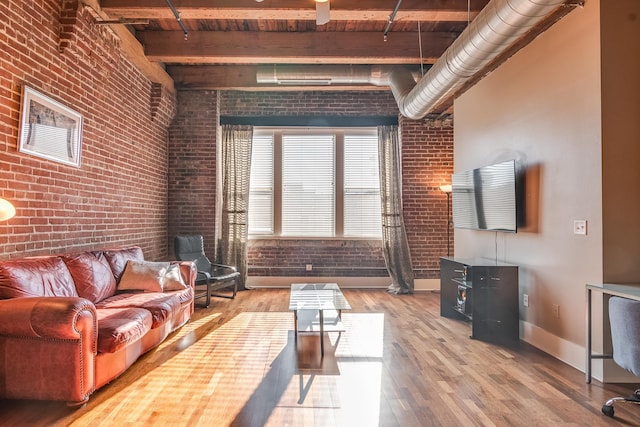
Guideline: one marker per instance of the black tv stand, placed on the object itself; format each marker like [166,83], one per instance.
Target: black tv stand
[483,292]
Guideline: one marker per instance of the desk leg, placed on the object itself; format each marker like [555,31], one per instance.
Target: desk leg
[587,369]
[321,333]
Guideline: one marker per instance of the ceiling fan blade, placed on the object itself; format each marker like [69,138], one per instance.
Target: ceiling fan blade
[322,12]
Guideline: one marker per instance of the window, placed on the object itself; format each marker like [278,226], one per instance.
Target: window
[261,191]
[316,182]
[361,186]
[308,185]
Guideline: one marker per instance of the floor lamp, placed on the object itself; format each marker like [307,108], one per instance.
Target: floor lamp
[447,190]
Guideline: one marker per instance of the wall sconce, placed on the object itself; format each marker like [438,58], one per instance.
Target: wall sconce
[447,190]
[7,210]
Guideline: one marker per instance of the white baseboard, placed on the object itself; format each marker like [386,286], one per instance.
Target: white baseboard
[426,285]
[567,351]
[343,282]
[574,355]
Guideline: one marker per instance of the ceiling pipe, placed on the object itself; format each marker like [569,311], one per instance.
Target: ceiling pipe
[176,14]
[500,24]
[497,26]
[390,21]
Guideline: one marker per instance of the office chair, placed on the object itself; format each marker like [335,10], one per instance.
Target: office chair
[624,315]
[210,276]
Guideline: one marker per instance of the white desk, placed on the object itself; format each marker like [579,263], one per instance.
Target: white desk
[630,291]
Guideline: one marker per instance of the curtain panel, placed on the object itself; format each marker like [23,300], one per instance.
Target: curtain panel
[233,198]
[394,237]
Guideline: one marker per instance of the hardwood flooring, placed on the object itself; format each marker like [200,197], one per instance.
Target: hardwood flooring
[399,363]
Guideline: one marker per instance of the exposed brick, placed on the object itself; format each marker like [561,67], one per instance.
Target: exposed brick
[427,164]
[118,196]
[128,176]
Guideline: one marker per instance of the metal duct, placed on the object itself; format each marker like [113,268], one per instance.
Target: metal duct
[323,74]
[496,28]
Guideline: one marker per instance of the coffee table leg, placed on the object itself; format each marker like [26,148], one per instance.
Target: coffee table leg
[321,333]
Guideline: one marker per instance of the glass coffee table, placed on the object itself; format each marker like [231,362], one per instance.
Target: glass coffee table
[310,302]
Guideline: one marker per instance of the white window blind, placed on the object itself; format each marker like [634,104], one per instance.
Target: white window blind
[308,190]
[315,183]
[261,189]
[361,186]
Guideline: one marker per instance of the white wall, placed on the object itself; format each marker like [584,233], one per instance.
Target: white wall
[543,108]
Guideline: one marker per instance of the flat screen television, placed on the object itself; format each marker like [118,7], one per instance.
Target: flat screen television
[485,198]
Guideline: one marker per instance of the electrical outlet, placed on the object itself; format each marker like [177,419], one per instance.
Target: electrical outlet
[309,267]
[556,311]
[525,300]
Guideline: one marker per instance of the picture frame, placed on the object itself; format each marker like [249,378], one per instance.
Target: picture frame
[49,129]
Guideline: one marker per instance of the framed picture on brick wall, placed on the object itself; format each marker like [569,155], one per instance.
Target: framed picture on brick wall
[49,130]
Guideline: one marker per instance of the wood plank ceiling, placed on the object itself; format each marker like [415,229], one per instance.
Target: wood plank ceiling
[226,40]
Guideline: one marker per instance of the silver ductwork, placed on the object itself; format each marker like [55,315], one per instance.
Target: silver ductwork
[318,75]
[493,31]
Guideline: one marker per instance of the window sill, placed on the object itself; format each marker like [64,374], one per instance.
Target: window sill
[307,238]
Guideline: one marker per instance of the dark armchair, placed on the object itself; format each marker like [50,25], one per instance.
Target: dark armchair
[624,315]
[211,276]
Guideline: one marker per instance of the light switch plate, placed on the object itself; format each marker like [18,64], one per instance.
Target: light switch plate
[580,226]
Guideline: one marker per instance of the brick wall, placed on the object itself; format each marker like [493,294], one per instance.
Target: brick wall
[427,163]
[130,189]
[119,194]
[367,103]
[192,166]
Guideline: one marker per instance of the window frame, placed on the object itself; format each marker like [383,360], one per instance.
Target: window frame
[339,191]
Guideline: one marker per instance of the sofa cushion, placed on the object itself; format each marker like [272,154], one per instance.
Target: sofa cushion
[118,327]
[92,275]
[36,276]
[151,277]
[117,259]
[162,306]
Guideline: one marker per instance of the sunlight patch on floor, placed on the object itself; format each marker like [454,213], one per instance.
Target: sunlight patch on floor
[252,370]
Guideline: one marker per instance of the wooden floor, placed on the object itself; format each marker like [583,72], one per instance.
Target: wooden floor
[398,364]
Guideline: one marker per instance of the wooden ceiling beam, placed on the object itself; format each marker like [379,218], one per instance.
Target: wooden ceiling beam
[213,76]
[133,51]
[341,10]
[242,47]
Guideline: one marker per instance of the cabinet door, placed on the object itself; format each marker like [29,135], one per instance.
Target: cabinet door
[495,304]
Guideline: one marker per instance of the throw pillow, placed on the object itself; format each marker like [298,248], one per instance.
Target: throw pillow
[143,276]
[117,259]
[173,280]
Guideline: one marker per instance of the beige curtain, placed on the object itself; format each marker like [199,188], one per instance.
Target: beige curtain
[233,198]
[394,237]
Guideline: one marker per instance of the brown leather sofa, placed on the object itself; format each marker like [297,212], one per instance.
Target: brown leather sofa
[67,326]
